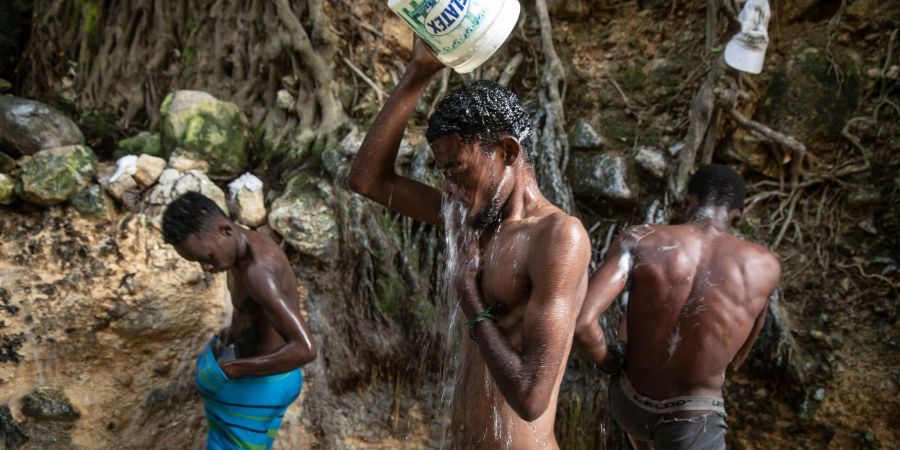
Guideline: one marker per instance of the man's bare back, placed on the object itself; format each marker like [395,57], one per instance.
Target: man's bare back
[697,301]
[696,293]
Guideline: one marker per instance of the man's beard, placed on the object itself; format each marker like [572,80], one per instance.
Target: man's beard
[490,215]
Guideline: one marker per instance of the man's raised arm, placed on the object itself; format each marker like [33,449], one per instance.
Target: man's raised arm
[527,377]
[373,173]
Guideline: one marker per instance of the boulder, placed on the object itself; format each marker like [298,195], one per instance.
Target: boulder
[601,175]
[584,137]
[7,189]
[11,434]
[172,184]
[28,126]
[51,176]
[198,126]
[246,200]
[652,160]
[144,143]
[148,169]
[93,202]
[303,216]
[49,403]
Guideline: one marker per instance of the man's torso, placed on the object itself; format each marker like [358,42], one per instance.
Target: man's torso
[482,417]
[692,305]
[250,330]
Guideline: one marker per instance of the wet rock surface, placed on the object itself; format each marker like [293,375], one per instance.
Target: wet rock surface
[28,127]
[196,125]
[49,403]
[652,160]
[601,176]
[49,177]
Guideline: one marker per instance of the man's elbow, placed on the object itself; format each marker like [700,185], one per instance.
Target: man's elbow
[305,355]
[586,331]
[359,183]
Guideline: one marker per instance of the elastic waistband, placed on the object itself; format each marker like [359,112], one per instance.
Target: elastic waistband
[674,404]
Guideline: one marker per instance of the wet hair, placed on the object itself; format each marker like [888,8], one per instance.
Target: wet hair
[482,111]
[717,185]
[191,213]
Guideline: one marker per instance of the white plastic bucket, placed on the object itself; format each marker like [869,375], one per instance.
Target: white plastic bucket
[463,33]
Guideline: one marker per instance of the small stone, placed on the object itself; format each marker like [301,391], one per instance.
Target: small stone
[49,403]
[651,160]
[148,169]
[585,138]
[675,148]
[304,217]
[874,72]
[162,368]
[122,180]
[868,226]
[285,100]
[93,202]
[246,200]
[7,190]
[600,175]
[893,73]
[819,394]
[184,164]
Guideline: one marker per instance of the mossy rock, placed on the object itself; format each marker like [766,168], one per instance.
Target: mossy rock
[49,177]
[93,202]
[813,97]
[597,175]
[142,143]
[197,126]
[7,163]
[7,189]
[305,218]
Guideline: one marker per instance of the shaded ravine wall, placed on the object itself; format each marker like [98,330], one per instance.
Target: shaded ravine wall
[632,70]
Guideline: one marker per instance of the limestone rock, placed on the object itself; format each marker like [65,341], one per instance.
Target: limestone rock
[144,143]
[51,176]
[173,183]
[148,169]
[600,175]
[585,138]
[29,126]
[7,163]
[198,126]
[49,403]
[184,164]
[122,180]
[246,200]
[651,160]
[304,218]
[93,202]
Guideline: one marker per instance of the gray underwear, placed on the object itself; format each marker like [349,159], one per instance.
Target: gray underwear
[651,420]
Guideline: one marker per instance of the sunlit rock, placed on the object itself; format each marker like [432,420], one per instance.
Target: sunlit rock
[28,126]
[49,177]
[148,168]
[198,126]
[245,196]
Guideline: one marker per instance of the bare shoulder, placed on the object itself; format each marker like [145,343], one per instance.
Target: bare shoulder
[760,261]
[560,230]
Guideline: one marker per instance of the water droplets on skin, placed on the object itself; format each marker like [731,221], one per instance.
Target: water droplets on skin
[674,339]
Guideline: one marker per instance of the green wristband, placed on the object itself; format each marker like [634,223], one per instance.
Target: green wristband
[486,314]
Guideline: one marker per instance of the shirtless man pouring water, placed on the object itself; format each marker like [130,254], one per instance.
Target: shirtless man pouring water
[523,276]
[697,303]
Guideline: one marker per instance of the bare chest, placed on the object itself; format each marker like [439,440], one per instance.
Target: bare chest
[505,284]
